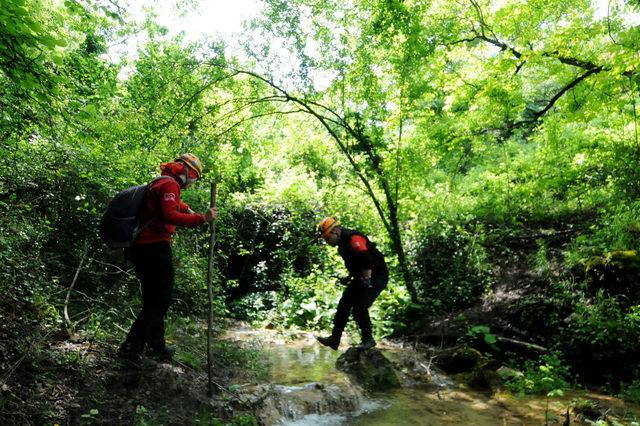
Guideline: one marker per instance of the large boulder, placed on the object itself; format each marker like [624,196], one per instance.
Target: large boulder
[370,369]
[470,367]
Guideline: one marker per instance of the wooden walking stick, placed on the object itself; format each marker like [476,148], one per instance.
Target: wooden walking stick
[212,242]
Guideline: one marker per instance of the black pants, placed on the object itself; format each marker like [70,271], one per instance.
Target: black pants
[154,269]
[356,300]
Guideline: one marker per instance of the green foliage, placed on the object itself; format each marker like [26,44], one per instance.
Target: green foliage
[262,244]
[28,28]
[205,418]
[461,125]
[554,304]
[90,417]
[631,391]
[189,335]
[389,312]
[309,303]
[597,327]
[450,265]
[245,361]
[142,416]
[548,376]
[482,331]
[617,229]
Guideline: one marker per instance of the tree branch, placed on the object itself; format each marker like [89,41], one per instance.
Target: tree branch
[307,107]
[67,320]
[538,114]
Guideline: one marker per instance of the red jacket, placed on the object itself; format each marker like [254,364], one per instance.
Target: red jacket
[164,211]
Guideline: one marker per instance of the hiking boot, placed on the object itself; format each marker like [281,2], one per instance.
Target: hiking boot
[366,344]
[329,341]
[164,353]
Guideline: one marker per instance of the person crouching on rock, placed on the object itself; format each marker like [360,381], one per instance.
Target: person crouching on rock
[368,276]
[151,254]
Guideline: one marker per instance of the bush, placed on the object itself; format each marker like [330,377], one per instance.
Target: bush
[631,391]
[541,377]
[310,302]
[449,265]
[260,244]
[603,340]
[617,229]
[389,310]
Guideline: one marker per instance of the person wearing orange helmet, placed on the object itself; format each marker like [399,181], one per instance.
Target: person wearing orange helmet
[368,276]
[151,254]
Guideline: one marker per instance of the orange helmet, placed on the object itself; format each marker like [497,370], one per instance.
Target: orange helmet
[192,162]
[326,225]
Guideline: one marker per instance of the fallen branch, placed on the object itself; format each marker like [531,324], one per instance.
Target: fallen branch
[527,345]
[67,320]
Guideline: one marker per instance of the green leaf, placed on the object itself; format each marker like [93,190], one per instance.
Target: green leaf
[48,41]
[21,11]
[57,59]
[35,26]
[28,82]
[90,109]
[490,338]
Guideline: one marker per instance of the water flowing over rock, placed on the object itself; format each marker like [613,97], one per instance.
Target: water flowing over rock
[371,369]
[273,404]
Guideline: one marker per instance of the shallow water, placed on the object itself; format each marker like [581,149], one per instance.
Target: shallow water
[297,359]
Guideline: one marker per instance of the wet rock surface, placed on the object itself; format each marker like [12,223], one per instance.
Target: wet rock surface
[370,369]
[273,404]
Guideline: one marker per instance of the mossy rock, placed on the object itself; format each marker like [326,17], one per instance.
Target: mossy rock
[371,369]
[464,359]
[622,259]
[506,373]
[481,379]
[616,272]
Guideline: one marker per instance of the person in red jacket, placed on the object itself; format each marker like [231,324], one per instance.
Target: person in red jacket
[151,254]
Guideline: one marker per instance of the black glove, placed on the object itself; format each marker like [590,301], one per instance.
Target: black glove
[366,282]
[344,280]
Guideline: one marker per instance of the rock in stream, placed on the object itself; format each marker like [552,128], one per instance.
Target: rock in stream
[371,369]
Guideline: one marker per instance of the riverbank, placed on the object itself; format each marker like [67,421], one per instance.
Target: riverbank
[269,377]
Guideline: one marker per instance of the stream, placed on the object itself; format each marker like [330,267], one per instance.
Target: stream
[306,388]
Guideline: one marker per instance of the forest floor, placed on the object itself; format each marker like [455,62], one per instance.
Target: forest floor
[79,380]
